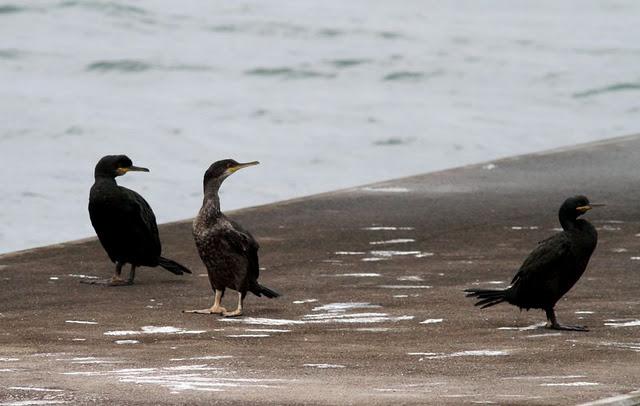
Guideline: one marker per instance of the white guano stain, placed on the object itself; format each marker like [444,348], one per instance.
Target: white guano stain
[543,377]
[323,366]
[625,346]
[305,301]
[370,259]
[203,358]
[359,275]
[405,286]
[153,330]
[363,318]
[74,275]
[34,389]
[267,330]
[33,402]
[53,278]
[410,278]
[386,189]
[387,228]
[570,384]
[263,321]
[632,323]
[248,335]
[543,335]
[394,241]
[584,312]
[432,321]
[391,253]
[526,328]
[125,342]
[80,322]
[342,307]
[350,253]
[469,353]
[7,359]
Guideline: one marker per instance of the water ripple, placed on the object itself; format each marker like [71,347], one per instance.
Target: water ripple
[123,65]
[288,73]
[11,9]
[616,87]
[110,7]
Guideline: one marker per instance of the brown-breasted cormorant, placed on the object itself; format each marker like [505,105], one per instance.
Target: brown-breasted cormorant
[552,268]
[124,222]
[229,252]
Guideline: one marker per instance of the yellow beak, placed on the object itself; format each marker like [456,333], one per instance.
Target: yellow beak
[122,171]
[243,165]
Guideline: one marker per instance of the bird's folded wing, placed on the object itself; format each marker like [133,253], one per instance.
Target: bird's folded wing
[141,217]
[545,260]
[243,243]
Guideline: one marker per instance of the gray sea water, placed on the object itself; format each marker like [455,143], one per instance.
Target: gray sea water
[325,94]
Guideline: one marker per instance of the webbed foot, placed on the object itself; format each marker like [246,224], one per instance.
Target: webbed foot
[211,310]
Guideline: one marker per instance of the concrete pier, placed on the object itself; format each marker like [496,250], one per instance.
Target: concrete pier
[372,309]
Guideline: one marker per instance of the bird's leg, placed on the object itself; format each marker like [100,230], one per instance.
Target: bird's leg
[238,311]
[552,323]
[116,279]
[132,275]
[215,309]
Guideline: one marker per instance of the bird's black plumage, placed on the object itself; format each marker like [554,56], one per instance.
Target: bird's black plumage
[124,221]
[552,268]
[229,252]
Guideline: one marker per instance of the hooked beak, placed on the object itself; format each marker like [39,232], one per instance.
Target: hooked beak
[122,171]
[243,165]
[584,209]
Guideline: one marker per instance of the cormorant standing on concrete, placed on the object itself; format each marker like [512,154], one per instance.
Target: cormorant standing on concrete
[229,252]
[552,268]
[124,222]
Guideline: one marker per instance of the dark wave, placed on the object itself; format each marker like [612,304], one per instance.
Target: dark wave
[136,66]
[109,7]
[390,35]
[347,63]
[330,32]
[410,76]
[288,73]
[123,65]
[616,87]
[10,9]
[10,54]
[391,141]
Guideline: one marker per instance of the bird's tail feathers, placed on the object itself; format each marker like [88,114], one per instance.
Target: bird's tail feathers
[487,297]
[172,266]
[260,290]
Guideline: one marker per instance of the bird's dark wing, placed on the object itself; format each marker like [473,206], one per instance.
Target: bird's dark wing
[142,223]
[243,243]
[545,261]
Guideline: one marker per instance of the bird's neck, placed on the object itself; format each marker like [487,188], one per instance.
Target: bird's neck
[574,224]
[211,197]
[105,180]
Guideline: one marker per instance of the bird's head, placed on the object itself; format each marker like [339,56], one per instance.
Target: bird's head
[220,170]
[111,166]
[576,206]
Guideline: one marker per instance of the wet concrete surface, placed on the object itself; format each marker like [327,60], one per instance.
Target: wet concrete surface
[372,309]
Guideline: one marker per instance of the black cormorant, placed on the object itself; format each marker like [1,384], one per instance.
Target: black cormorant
[124,222]
[552,268]
[229,252]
